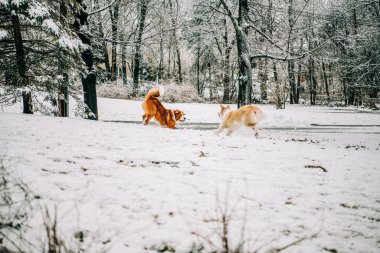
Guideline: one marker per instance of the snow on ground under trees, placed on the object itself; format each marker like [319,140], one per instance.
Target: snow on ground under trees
[134,188]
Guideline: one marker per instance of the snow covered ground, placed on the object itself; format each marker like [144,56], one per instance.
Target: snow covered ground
[135,188]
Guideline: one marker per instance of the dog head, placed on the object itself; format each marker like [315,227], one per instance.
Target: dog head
[223,110]
[179,115]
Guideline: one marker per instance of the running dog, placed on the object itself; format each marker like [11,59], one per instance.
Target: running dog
[248,115]
[153,108]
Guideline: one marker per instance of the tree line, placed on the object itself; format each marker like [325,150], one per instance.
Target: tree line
[239,51]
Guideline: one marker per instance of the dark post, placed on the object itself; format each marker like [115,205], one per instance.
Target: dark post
[89,79]
[63,100]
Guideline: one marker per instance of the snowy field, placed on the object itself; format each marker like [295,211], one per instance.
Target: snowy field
[310,183]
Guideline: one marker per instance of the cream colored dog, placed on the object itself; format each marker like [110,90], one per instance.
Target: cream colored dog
[248,115]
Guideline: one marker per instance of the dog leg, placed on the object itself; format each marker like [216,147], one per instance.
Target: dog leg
[219,130]
[148,118]
[254,128]
[171,125]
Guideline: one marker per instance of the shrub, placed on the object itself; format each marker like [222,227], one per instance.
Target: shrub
[184,93]
[174,93]
[113,90]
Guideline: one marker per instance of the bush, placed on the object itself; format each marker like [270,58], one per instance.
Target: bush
[184,93]
[113,90]
[174,93]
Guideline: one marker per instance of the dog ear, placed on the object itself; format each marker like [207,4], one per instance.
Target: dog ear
[228,106]
[221,106]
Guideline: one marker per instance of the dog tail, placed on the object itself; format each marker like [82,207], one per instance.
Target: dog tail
[155,93]
[152,93]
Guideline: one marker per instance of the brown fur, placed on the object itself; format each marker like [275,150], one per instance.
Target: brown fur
[248,115]
[153,108]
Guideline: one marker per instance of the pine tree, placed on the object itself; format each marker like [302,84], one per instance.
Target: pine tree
[39,53]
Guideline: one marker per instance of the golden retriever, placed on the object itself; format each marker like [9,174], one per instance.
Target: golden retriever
[248,115]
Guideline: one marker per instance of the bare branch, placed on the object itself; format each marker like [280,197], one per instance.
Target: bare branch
[101,9]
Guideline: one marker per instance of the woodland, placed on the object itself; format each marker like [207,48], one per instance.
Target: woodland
[240,51]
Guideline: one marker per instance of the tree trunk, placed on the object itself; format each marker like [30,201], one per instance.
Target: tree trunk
[315,83]
[104,44]
[275,74]
[209,77]
[292,82]
[169,59]
[21,65]
[245,68]
[263,77]
[114,25]
[63,97]
[137,55]
[161,63]
[179,65]
[27,102]
[312,82]
[198,70]
[330,78]
[174,64]
[89,79]
[350,95]
[291,75]
[226,65]
[325,80]
[352,90]
[226,80]
[123,56]
[277,90]
[233,86]
[123,60]
[299,73]
[312,79]
[178,75]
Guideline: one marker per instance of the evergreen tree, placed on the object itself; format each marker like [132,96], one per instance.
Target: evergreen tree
[39,53]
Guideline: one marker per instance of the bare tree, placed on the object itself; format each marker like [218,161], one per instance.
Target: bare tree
[291,75]
[89,78]
[243,50]
[103,42]
[174,17]
[114,14]
[226,62]
[137,56]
